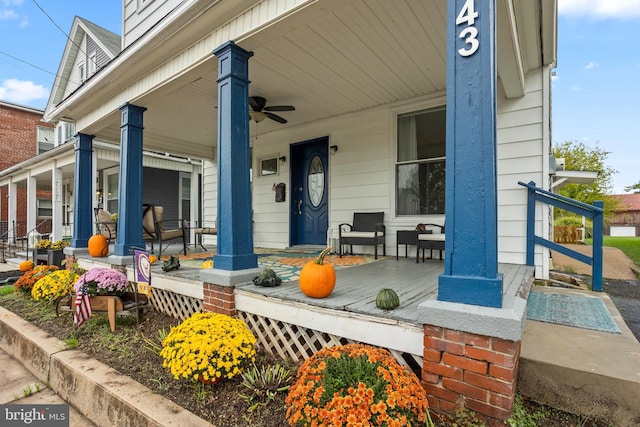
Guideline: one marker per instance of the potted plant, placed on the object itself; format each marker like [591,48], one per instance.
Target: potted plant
[55,254]
[103,281]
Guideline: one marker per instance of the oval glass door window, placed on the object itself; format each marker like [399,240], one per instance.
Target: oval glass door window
[315,181]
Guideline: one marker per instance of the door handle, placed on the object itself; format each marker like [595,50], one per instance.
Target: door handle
[299,207]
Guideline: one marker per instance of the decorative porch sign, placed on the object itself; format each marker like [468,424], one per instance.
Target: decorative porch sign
[143,272]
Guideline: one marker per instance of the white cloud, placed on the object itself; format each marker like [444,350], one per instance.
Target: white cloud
[22,91]
[7,14]
[591,65]
[576,88]
[600,9]
[7,3]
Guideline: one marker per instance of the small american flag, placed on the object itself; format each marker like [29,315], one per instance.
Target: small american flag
[83,306]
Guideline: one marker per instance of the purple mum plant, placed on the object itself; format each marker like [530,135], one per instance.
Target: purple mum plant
[103,281]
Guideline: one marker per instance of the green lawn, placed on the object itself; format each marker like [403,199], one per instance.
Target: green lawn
[629,245]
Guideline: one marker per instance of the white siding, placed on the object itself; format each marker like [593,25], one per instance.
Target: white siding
[137,20]
[74,78]
[522,152]
[361,174]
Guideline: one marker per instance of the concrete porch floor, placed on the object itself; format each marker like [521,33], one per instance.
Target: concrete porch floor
[590,373]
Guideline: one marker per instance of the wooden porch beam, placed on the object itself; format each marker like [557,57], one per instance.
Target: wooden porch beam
[471,265]
[235,227]
[82,191]
[509,54]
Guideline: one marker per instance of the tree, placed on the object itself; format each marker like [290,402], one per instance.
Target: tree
[635,188]
[579,157]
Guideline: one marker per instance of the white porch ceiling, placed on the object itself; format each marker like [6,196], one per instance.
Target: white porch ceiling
[357,55]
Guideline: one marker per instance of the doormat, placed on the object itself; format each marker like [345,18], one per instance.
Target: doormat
[570,310]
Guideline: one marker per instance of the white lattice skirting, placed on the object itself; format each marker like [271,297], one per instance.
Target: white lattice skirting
[289,340]
[175,305]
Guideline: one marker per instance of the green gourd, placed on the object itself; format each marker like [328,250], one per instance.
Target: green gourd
[387,299]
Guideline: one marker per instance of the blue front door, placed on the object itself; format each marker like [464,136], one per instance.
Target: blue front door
[309,192]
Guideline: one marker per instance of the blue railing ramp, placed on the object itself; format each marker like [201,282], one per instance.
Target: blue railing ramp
[595,212]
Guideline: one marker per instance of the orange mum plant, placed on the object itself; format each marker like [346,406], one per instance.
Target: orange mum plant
[356,385]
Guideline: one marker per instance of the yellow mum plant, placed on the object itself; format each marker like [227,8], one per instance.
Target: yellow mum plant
[56,284]
[208,347]
[356,385]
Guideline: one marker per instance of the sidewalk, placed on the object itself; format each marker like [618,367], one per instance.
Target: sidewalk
[20,387]
[30,356]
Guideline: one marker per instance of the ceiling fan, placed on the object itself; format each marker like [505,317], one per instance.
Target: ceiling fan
[259,110]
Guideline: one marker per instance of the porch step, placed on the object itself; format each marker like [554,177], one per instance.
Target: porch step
[590,373]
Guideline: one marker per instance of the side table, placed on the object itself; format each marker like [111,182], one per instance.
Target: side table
[406,238]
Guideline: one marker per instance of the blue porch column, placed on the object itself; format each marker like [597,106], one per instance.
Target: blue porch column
[130,191]
[471,266]
[235,228]
[82,191]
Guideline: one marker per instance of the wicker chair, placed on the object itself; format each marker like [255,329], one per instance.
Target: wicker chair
[367,229]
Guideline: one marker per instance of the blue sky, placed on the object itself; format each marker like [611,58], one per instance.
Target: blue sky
[596,90]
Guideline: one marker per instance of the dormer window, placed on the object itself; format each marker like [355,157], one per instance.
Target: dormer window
[81,73]
[93,66]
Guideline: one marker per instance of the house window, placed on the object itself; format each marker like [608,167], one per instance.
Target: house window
[45,139]
[66,131]
[81,73]
[92,64]
[112,190]
[185,196]
[45,208]
[420,166]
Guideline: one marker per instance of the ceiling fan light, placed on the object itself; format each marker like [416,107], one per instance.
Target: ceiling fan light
[257,116]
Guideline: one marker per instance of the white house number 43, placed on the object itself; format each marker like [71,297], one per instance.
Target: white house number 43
[469,33]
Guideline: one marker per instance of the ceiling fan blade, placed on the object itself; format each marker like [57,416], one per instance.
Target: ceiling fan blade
[275,117]
[257,103]
[280,108]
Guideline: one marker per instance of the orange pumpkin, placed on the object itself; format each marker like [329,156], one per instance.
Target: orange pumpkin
[26,265]
[317,279]
[98,246]
[152,258]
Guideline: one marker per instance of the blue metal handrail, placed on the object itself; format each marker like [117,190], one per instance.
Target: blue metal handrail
[595,212]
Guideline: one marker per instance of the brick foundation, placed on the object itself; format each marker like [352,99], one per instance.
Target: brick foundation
[219,299]
[474,372]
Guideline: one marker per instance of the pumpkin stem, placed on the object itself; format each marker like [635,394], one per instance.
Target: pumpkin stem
[324,253]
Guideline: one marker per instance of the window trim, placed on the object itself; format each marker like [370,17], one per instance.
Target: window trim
[439,100]
[38,207]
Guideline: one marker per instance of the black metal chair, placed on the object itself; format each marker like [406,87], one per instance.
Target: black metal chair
[367,229]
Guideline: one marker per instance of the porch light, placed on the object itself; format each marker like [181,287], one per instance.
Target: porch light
[333,149]
[282,159]
[257,116]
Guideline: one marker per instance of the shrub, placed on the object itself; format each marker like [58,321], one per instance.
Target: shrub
[356,384]
[208,347]
[25,283]
[54,285]
[103,281]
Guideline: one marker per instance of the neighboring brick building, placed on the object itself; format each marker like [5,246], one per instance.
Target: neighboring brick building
[626,219]
[23,135]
